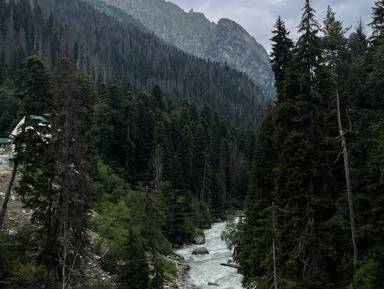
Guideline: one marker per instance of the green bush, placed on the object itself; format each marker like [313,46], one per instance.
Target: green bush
[366,275]
[26,276]
[170,270]
[99,285]
[7,255]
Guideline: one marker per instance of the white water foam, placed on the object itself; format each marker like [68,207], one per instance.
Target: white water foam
[206,268]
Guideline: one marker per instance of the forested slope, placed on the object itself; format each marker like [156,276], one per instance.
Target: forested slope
[113,171]
[117,166]
[113,51]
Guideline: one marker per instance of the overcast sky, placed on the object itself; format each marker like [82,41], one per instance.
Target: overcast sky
[258,16]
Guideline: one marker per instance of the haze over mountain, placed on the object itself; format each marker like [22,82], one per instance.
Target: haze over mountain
[224,42]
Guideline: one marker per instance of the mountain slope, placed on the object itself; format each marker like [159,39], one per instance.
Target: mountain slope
[115,51]
[224,42]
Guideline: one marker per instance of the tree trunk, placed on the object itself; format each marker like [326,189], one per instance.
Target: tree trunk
[274,247]
[7,194]
[158,167]
[348,180]
[237,266]
[203,187]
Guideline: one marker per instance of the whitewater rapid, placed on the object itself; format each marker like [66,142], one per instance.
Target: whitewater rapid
[206,269]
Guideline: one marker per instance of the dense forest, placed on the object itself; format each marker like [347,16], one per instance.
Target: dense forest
[113,51]
[125,152]
[314,212]
[151,175]
[142,170]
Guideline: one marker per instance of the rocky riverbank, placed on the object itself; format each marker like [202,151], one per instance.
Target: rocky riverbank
[182,271]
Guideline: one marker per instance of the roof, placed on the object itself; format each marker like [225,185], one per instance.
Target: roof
[15,131]
[5,140]
[41,119]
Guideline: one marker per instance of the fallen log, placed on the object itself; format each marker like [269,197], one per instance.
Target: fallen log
[237,266]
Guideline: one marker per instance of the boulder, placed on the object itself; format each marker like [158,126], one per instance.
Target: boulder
[200,251]
[198,237]
[213,284]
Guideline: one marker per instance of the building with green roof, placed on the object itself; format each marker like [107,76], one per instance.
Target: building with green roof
[5,142]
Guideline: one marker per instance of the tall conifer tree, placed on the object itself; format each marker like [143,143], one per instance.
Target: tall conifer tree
[281,52]
[335,50]
[254,251]
[377,23]
[302,170]
[73,98]
[299,174]
[36,149]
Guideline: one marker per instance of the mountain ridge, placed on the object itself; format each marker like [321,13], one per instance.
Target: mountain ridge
[195,34]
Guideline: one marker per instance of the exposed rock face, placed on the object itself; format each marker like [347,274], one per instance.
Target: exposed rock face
[200,251]
[224,42]
[231,43]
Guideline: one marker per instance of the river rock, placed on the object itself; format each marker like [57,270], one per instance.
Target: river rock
[213,284]
[200,251]
[198,237]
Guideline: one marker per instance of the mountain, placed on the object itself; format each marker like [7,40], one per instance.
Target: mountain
[224,42]
[116,51]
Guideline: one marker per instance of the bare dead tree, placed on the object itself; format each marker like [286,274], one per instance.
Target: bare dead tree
[158,167]
[347,179]
[7,194]
[334,33]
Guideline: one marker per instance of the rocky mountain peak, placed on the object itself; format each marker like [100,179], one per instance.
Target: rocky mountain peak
[225,42]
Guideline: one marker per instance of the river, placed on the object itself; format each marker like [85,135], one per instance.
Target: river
[206,268]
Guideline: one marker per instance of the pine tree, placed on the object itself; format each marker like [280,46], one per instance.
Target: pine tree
[33,87]
[36,149]
[335,50]
[193,112]
[158,95]
[134,273]
[334,41]
[371,117]
[368,275]
[377,23]
[73,99]
[9,106]
[302,169]
[358,41]
[185,154]
[355,83]
[102,129]
[253,252]
[199,161]
[281,52]
[116,142]
[129,114]
[144,137]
